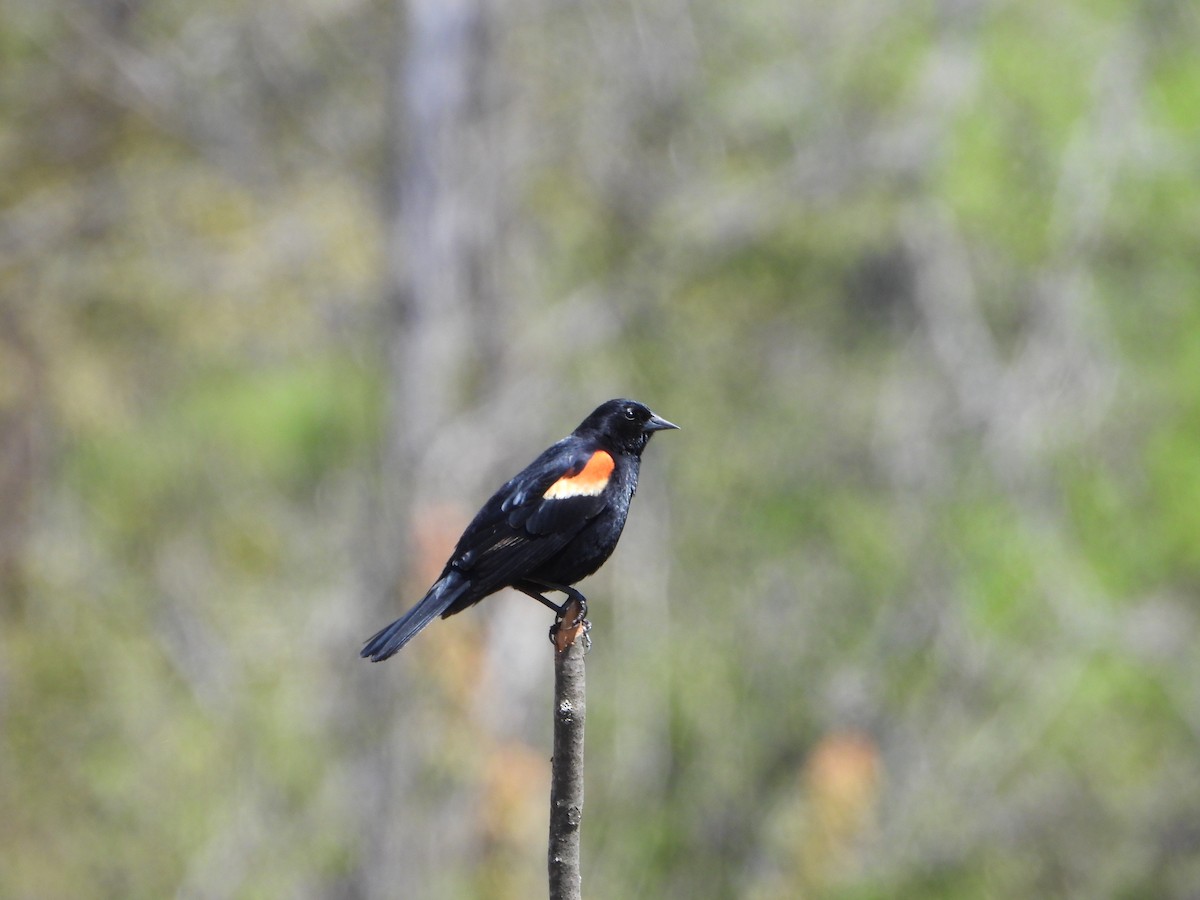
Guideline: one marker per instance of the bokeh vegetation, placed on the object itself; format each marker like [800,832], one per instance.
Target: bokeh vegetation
[908,609]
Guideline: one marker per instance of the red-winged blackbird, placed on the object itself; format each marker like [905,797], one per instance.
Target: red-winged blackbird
[549,527]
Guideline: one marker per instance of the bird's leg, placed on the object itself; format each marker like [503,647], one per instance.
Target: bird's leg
[534,590]
[533,587]
[530,586]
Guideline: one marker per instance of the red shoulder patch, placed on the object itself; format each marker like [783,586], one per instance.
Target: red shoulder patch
[587,482]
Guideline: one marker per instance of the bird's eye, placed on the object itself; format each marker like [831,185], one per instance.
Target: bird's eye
[629,413]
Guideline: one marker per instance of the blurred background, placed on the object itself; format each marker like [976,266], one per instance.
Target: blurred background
[909,608]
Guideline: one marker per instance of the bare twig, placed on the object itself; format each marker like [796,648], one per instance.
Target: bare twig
[566,775]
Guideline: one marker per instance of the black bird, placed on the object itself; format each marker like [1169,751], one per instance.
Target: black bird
[552,525]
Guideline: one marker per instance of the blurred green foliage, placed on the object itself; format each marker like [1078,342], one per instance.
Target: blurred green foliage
[909,607]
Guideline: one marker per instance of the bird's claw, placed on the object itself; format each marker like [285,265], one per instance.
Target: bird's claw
[585,637]
[581,615]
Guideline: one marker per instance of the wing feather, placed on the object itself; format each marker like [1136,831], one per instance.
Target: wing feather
[526,522]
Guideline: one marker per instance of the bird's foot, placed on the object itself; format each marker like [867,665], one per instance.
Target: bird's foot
[570,618]
[571,624]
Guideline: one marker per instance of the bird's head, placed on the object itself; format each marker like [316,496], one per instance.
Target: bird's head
[625,424]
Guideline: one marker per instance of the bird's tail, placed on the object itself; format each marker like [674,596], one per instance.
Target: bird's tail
[448,588]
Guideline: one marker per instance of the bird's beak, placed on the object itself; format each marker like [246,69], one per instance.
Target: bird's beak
[658,423]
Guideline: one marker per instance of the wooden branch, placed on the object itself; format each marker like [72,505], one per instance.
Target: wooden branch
[566,774]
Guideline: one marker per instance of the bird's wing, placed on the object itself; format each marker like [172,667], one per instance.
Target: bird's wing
[560,490]
[535,514]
